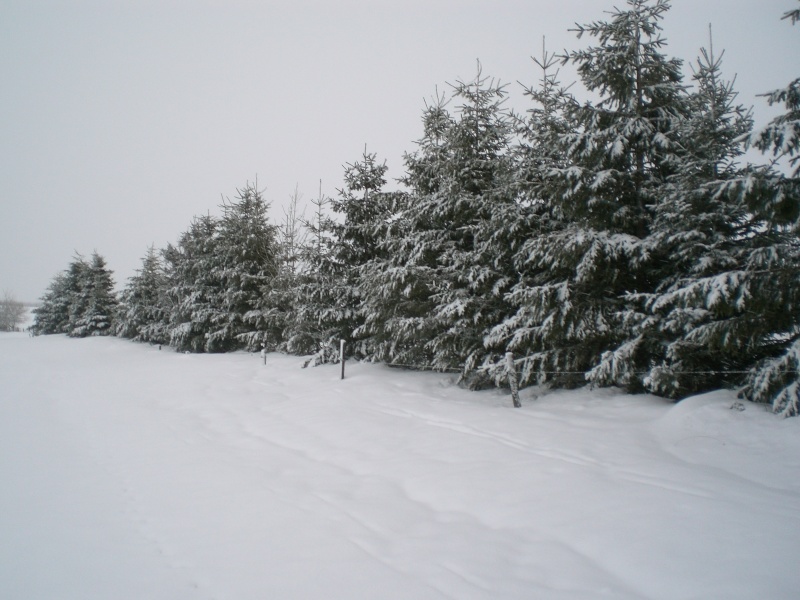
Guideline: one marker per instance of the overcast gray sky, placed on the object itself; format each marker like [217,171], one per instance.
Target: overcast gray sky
[121,120]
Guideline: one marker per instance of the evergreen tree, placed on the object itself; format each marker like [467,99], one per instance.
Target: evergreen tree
[772,268]
[329,298]
[702,232]
[527,223]
[600,188]
[444,267]
[66,300]
[363,209]
[193,286]
[95,302]
[310,328]
[52,314]
[733,304]
[397,286]
[248,265]
[142,314]
[283,296]
[78,281]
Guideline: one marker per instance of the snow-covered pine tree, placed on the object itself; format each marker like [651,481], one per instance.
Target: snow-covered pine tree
[66,301]
[600,195]
[444,268]
[308,328]
[737,307]
[193,286]
[142,313]
[363,209]
[774,264]
[702,232]
[475,260]
[77,284]
[248,263]
[283,297]
[52,314]
[527,223]
[640,147]
[398,284]
[96,299]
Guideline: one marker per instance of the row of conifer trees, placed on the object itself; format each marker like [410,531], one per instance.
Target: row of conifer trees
[618,241]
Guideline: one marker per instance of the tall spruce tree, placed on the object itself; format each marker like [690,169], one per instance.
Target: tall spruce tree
[142,313]
[600,195]
[398,284]
[77,282]
[94,301]
[701,232]
[283,296]
[773,196]
[311,327]
[476,258]
[248,263]
[438,286]
[526,224]
[363,209]
[193,286]
[732,302]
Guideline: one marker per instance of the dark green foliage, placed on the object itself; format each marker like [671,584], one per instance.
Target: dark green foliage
[438,283]
[143,312]
[193,287]
[79,302]
[774,265]
[217,278]
[95,299]
[248,263]
[52,315]
[310,327]
[364,211]
[702,232]
[593,194]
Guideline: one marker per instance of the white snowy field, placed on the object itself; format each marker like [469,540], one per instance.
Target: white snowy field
[132,473]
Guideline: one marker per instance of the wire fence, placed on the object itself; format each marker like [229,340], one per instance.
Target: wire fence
[501,367]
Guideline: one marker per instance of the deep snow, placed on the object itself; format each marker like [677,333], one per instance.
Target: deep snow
[128,473]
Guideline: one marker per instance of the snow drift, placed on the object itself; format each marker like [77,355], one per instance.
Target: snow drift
[130,472]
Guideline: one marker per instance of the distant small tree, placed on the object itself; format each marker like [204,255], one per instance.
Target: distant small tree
[292,235]
[12,312]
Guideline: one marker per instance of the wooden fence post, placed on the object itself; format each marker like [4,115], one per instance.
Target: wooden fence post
[341,355]
[512,379]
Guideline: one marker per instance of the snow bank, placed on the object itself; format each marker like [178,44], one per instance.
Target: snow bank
[130,472]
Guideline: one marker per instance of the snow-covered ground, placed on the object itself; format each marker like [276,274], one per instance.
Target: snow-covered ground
[132,473]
